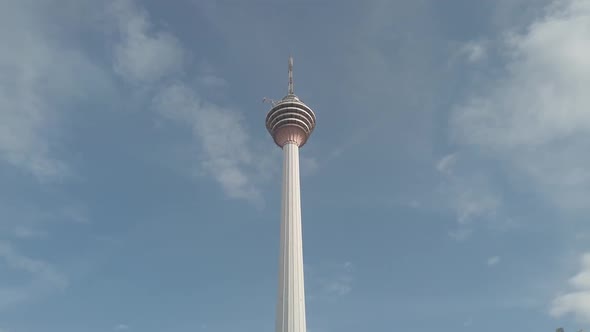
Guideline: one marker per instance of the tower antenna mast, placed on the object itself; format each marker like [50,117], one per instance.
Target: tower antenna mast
[291,75]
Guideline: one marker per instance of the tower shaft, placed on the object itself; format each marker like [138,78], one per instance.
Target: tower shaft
[291,298]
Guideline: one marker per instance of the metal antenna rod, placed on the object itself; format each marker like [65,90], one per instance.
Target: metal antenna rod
[290,75]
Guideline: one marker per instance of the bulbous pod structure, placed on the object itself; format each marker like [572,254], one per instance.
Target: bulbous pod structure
[290,120]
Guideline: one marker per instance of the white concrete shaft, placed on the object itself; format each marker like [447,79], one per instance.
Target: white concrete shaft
[291,303]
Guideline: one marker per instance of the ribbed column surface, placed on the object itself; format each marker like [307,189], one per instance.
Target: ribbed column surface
[291,303]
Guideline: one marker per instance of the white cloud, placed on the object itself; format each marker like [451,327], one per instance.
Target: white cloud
[29,221]
[330,281]
[28,232]
[536,117]
[460,234]
[493,260]
[468,191]
[474,51]
[121,327]
[221,134]
[340,286]
[24,116]
[446,163]
[40,79]
[471,203]
[144,54]
[470,195]
[44,276]
[341,283]
[576,301]
[22,143]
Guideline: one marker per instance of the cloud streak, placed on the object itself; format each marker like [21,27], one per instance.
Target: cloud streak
[535,118]
[144,56]
[44,276]
[32,109]
[474,51]
[121,327]
[492,261]
[221,135]
[576,301]
[470,195]
[331,281]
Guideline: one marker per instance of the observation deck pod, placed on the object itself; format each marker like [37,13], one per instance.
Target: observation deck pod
[290,120]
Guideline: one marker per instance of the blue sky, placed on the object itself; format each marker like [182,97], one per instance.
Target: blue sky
[446,186]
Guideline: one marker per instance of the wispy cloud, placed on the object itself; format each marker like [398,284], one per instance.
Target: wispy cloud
[221,135]
[144,56]
[492,261]
[460,234]
[535,117]
[446,163]
[331,281]
[25,117]
[474,51]
[144,53]
[576,301]
[27,221]
[121,327]
[469,194]
[340,283]
[28,232]
[44,276]
[32,109]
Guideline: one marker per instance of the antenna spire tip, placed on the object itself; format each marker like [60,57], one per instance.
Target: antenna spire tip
[290,74]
